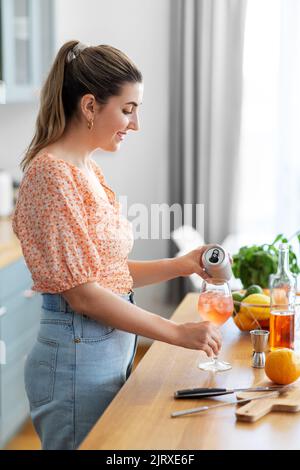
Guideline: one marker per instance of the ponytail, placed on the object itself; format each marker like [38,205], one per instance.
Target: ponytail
[51,121]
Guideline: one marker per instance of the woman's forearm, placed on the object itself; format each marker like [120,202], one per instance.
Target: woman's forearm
[103,305]
[144,273]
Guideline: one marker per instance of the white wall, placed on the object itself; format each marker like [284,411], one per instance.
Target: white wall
[140,169]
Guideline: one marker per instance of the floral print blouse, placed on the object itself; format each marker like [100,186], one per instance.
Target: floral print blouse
[69,235]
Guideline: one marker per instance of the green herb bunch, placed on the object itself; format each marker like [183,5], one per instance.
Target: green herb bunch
[254,264]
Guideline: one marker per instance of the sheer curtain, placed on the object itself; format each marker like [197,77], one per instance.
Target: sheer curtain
[207,39]
[270,145]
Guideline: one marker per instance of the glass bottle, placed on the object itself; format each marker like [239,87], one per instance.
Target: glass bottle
[283,288]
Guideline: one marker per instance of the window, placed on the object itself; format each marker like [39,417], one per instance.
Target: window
[269,174]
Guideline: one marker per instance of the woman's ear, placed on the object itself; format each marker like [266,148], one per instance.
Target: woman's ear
[88,107]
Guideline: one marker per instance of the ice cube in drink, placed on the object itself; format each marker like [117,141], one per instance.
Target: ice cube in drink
[215,307]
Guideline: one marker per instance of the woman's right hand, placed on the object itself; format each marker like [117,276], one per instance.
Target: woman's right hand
[200,335]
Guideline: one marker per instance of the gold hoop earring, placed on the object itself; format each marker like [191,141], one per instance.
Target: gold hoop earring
[90,124]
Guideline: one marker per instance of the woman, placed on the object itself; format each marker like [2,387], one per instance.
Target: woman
[76,245]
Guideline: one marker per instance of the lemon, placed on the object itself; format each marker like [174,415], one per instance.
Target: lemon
[257,299]
[259,306]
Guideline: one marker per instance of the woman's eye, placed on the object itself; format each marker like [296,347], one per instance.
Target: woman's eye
[127,112]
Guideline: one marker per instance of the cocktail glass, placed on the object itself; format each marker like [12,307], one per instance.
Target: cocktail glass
[215,304]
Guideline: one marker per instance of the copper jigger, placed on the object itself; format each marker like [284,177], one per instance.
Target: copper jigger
[259,340]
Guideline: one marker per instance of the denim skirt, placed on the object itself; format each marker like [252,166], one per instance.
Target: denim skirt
[74,370]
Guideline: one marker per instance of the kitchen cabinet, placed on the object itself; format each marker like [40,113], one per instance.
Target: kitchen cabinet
[26,48]
[19,323]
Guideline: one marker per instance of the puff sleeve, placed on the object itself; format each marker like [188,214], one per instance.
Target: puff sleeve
[51,223]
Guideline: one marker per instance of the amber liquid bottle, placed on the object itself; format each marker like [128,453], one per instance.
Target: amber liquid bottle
[283,288]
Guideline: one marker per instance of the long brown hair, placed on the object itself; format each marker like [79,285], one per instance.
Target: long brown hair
[76,71]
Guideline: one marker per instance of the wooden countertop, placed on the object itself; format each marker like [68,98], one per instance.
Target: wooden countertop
[139,416]
[10,248]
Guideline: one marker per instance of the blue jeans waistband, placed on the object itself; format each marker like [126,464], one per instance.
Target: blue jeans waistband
[57,302]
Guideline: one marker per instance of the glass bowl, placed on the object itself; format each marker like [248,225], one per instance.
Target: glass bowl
[254,316]
[251,316]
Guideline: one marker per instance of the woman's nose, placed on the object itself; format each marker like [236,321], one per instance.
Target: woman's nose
[134,123]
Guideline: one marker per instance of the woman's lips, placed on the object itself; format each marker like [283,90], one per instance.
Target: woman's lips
[121,135]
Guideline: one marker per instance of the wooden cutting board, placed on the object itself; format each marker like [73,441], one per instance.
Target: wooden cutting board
[254,410]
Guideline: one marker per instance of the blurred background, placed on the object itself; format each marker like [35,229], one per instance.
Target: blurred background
[219,120]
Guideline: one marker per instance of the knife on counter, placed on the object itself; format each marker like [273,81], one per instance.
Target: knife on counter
[230,403]
[214,392]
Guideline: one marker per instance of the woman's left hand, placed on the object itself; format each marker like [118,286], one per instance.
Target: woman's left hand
[192,262]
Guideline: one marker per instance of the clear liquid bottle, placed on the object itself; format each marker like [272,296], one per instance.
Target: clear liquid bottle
[283,288]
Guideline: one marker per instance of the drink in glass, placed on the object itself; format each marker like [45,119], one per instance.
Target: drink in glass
[283,287]
[282,329]
[215,304]
[216,307]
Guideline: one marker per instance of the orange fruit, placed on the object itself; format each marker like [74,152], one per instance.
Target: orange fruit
[283,366]
[244,322]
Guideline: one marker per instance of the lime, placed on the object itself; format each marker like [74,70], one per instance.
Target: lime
[254,289]
[237,298]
